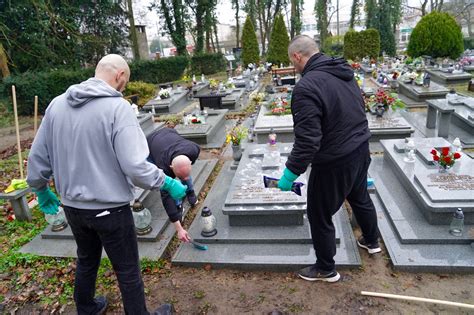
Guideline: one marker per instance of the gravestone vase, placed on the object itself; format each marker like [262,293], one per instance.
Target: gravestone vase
[443,169]
[236,152]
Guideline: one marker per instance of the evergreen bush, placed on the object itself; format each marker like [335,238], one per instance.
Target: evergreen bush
[208,63]
[437,35]
[279,41]
[334,46]
[250,50]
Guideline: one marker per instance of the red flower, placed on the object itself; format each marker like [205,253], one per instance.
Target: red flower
[447,160]
[434,152]
[11,217]
[457,155]
[435,157]
[445,151]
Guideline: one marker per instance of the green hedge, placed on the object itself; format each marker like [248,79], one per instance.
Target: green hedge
[47,85]
[158,71]
[207,63]
[358,45]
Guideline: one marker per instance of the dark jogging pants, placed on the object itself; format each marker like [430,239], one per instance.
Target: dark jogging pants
[328,187]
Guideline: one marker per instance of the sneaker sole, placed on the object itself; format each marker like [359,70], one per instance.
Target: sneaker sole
[370,250]
[331,279]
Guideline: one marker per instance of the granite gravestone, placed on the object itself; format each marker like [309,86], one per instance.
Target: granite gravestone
[174,104]
[421,93]
[416,203]
[390,126]
[248,202]
[282,125]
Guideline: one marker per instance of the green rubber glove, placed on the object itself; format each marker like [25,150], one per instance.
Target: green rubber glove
[47,200]
[286,181]
[175,188]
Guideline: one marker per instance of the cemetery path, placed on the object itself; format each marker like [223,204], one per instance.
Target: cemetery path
[8,136]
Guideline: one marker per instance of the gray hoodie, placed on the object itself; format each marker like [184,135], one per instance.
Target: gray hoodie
[92,143]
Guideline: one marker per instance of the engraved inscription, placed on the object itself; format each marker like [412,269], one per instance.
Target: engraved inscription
[452,182]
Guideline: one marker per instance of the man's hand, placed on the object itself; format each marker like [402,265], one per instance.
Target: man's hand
[175,188]
[47,200]
[182,233]
[286,181]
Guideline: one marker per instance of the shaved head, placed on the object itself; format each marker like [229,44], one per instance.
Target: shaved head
[181,166]
[300,49]
[114,70]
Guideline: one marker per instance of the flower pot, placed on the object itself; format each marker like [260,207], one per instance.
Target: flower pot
[378,110]
[236,152]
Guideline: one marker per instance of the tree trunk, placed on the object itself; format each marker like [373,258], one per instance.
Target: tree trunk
[261,23]
[217,37]
[133,31]
[4,62]
[237,24]
[293,18]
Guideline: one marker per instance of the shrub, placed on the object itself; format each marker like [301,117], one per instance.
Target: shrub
[334,46]
[47,85]
[437,35]
[279,41]
[158,71]
[145,91]
[250,50]
[358,45]
[208,63]
[370,43]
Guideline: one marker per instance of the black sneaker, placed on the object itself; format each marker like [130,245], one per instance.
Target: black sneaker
[371,248]
[312,273]
[192,198]
[165,309]
[101,304]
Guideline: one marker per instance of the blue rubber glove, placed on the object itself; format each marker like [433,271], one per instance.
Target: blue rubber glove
[286,181]
[175,188]
[47,200]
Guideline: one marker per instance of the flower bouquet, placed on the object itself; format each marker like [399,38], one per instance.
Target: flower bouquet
[236,135]
[164,93]
[280,106]
[445,159]
[257,97]
[355,66]
[213,84]
[382,101]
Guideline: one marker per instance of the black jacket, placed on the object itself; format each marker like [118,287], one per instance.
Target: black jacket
[165,144]
[328,114]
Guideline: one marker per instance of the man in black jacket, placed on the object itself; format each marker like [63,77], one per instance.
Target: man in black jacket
[174,155]
[331,134]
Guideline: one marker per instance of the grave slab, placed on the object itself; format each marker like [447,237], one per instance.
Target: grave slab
[248,202]
[282,125]
[148,124]
[445,78]
[206,133]
[177,101]
[411,241]
[260,247]
[438,195]
[420,93]
[49,244]
[391,126]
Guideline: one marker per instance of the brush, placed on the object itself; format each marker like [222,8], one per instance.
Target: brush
[198,245]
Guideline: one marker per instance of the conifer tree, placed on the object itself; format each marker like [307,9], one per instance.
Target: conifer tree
[250,51]
[279,41]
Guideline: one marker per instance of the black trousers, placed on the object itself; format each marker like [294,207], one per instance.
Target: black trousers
[328,187]
[115,233]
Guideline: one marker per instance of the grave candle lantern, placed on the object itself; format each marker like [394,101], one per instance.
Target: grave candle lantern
[208,223]
[457,224]
[58,221]
[141,218]
[272,137]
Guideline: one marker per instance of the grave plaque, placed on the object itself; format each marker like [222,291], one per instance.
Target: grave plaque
[192,129]
[396,122]
[447,187]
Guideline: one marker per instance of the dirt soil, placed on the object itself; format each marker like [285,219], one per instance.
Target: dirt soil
[226,291]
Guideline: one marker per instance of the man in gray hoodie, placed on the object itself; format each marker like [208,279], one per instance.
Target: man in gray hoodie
[92,143]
